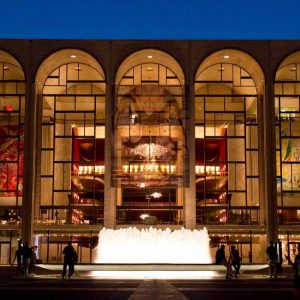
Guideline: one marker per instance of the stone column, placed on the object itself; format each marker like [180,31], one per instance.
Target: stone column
[109,190]
[261,166]
[189,172]
[38,147]
[29,161]
[270,162]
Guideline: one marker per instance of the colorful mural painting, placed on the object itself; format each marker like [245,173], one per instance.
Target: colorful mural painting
[11,160]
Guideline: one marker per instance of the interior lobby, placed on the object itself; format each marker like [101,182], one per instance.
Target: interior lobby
[164,134]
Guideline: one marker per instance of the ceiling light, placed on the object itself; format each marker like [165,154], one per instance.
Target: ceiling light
[221,69]
[5,68]
[149,69]
[293,68]
[156,195]
[78,69]
[144,216]
[149,150]
[150,56]
[226,56]
[73,56]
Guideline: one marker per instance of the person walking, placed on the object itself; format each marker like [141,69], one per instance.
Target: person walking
[26,254]
[69,255]
[272,257]
[18,257]
[235,260]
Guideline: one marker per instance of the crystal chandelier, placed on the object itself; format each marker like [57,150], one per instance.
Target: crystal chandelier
[151,150]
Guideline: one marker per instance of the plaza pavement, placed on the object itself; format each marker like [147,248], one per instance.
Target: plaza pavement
[205,272]
[46,283]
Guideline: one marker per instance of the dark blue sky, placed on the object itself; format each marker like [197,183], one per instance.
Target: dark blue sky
[150,19]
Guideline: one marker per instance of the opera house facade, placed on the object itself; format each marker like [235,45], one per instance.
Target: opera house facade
[168,134]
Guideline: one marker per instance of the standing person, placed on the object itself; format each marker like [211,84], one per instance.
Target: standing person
[220,255]
[68,260]
[26,253]
[56,216]
[250,257]
[74,262]
[221,260]
[33,258]
[272,257]
[296,267]
[235,260]
[18,257]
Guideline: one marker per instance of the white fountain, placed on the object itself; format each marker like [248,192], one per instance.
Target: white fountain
[153,246]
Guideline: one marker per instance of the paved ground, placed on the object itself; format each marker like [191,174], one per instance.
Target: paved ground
[49,285]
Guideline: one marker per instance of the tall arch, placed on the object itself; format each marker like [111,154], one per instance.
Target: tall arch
[71,94]
[228,88]
[12,121]
[287,119]
[149,140]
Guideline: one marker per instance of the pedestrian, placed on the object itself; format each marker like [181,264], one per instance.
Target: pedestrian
[56,216]
[296,266]
[69,255]
[18,257]
[74,262]
[235,260]
[26,254]
[33,258]
[250,257]
[272,257]
[221,260]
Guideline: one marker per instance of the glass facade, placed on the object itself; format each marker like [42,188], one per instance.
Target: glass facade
[149,146]
[73,135]
[182,138]
[12,114]
[226,134]
[287,118]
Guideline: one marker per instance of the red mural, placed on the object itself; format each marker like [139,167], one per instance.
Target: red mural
[11,160]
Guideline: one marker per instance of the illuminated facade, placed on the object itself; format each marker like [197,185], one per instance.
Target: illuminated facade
[149,133]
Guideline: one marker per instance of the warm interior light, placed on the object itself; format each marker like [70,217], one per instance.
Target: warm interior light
[156,195]
[226,56]
[149,56]
[149,168]
[144,216]
[209,170]
[86,170]
[149,150]
[73,56]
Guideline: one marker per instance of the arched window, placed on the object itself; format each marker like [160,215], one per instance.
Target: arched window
[12,115]
[287,112]
[72,158]
[226,132]
[149,148]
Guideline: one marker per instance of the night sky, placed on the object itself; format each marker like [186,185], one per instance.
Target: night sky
[150,19]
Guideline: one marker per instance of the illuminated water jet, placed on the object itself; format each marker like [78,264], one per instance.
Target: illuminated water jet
[151,245]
